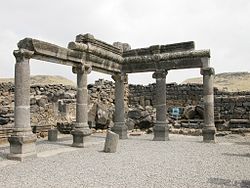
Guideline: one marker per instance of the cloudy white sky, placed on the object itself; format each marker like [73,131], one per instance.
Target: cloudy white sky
[223,26]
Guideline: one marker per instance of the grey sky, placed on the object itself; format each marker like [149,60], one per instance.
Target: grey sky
[223,26]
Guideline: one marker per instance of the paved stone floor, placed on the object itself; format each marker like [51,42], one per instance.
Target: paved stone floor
[184,161]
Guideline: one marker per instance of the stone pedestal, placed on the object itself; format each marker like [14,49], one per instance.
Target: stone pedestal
[161,128]
[81,127]
[52,135]
[111,142]
[120,127]
[22,140]
[209,129]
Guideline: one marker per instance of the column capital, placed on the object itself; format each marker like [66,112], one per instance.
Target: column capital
[207,71]
[83,69]
[160,74]
[120,77]
[22,54]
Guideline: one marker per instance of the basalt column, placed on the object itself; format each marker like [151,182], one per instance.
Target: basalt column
[22,140]
[119,121]
[81,127]
[161,129]
[209,129]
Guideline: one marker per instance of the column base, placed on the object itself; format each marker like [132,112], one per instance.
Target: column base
[79,136]
[208,134]
[121,129]
[22,147]
[161,131]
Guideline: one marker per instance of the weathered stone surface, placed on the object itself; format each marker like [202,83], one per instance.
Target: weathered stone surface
[52,135]
[167,61]
[111,142]
[169,48]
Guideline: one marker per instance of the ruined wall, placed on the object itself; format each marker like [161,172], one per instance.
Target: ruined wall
[56,103]
[50,104]
[228,105]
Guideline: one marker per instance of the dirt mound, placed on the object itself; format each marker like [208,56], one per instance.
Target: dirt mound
[44,80]
[233,81]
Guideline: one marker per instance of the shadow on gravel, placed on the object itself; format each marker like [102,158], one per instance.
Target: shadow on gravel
[237,155]
[230,183]
[243,143]
[49,142]
[56,143]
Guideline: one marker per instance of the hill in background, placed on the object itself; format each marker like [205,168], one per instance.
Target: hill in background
[44,79]
[233,81]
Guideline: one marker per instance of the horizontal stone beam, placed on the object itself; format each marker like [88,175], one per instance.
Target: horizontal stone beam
[103,65]
[49,52]
[167,61]
[45,51]
[92,49]
[158,49]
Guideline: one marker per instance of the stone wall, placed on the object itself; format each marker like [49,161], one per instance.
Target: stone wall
[228,105]
[51,104]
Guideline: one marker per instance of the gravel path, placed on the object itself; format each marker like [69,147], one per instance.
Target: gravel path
[184,161]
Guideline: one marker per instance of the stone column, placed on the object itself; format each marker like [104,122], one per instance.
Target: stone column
[209,129]
[22,140]
[161,128]
[119,119]
[81,127]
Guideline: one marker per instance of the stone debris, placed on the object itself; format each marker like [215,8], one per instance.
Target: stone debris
[55,105]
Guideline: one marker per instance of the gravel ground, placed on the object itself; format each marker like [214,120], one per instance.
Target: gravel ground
[184,161]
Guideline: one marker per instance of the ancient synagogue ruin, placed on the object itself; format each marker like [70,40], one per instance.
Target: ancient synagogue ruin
[118,60]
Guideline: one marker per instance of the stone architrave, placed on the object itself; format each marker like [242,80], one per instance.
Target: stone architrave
[22,140]
[81,127]
[119,116]
[209,129]
[161,128]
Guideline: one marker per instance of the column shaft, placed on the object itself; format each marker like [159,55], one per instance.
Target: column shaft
[161,129]
[209,129]
[81,128]
[22,141]
[119,121]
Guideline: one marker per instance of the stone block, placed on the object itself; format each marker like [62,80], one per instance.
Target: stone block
[111,142]
[208,134]
[161,132]
[22,147]
[120,129]
[52,135]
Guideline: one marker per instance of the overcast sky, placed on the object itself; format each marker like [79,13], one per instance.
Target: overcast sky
[223,26]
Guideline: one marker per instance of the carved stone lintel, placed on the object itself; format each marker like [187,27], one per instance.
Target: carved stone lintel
[155,49]
[207,71]
[22,55]
[84,69]
[160,74]
[120,77]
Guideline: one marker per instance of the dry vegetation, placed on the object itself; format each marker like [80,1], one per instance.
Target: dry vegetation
[235,81]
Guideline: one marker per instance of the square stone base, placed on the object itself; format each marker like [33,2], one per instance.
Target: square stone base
[52,135]
[161,132]
[79,136]
[22,147]
[208,134]
[121,129]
